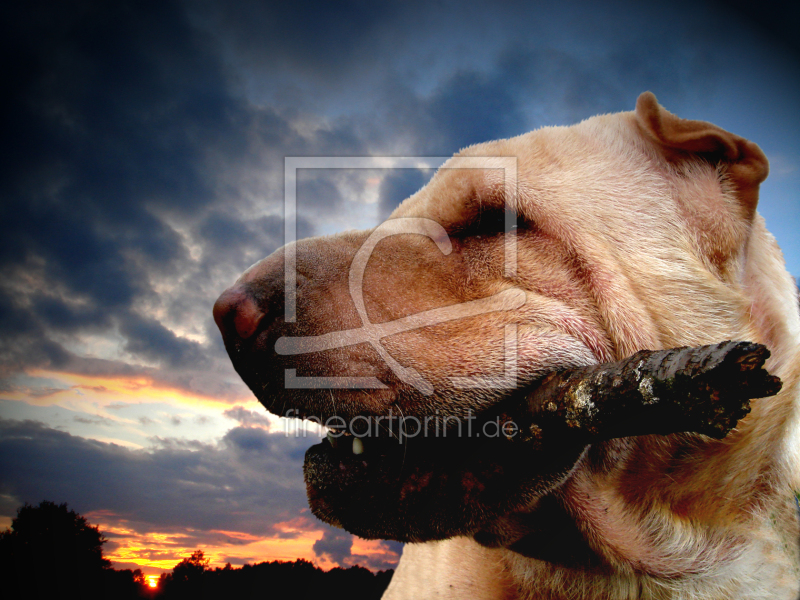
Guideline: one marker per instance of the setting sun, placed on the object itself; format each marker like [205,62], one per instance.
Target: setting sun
[152,581]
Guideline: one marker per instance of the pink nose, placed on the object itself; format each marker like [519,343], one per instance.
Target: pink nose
[236,309]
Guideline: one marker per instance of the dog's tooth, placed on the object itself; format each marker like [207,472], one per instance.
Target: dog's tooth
[333,440]
[358,446]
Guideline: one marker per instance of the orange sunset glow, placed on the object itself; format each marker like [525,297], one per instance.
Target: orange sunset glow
[119,389]
[157,552]
[129,411]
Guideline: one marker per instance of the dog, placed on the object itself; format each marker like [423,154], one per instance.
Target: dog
[563,247]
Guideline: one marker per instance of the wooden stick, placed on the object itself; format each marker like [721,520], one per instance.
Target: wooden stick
[705,389]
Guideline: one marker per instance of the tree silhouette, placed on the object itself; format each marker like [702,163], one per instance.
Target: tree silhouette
[50,549]
[192,566]
[186,579]
[191,569]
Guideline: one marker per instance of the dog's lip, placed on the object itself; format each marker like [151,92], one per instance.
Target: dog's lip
[390,423]
[417,490]
[367,435]
[339,478]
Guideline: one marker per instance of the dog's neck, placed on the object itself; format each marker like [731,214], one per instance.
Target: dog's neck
[454,568]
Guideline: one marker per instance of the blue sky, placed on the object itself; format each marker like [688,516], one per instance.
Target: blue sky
[144,171]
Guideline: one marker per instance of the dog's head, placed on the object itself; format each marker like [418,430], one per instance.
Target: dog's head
[558,248]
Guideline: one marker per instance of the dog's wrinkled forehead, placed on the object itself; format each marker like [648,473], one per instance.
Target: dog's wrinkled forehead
[555,176]
[606,169]
[457,197]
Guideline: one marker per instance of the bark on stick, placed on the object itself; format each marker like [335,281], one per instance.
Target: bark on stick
[705,389]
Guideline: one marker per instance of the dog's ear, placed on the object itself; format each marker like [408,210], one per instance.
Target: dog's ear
[746,165]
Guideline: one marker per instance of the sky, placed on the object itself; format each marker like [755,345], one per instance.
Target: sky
[143,172]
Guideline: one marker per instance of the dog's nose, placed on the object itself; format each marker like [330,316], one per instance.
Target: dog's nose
[236,309]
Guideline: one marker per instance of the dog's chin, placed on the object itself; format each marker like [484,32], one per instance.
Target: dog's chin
[428,487]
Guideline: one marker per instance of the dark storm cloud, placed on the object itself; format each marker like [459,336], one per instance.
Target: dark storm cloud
[319,186]
[447,75]
[150,340]
[108,103]
[321,38]
[388,561]
[399,184]
[248,482]
[223,233]
[392,546]
[472,106]
[94,421]
[122,122]
[106,106]
[335,545]
[136,158]
[777,20]
[54,312]
[226,236]
[247,418]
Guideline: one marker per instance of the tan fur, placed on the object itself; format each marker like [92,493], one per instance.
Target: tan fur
[672,263]
[637,231]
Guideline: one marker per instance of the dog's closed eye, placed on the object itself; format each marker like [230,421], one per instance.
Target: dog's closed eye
[488,222]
